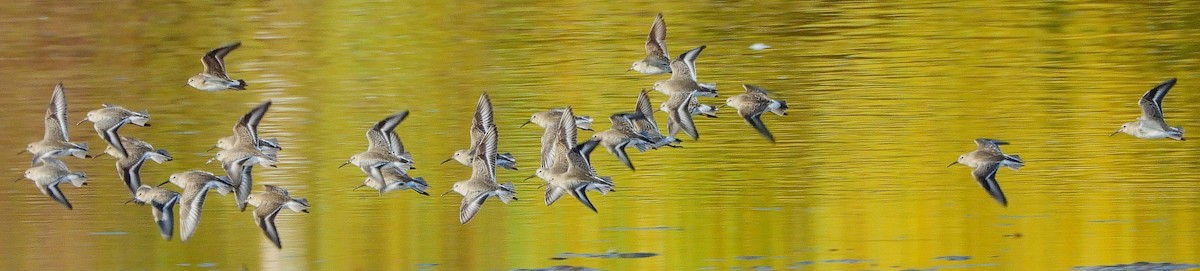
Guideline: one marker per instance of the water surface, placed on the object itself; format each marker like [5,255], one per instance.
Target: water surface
[882,97]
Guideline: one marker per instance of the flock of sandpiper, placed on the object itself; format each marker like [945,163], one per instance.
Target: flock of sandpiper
[565,163]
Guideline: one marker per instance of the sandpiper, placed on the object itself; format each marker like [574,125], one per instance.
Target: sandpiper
[657,60]
[50,174]
[648,126]
[195,184]
[752,104]
[482,183]
[55,142]
[683,76]
[1151,124]
[214,78]
[162,207]
[129,168]
[269,146]
[465,156]
[679,116]
[239,160]
[385,151]
[986,161]
[109,118]
[395,181]
[554,148]
[579,176]
[267,205]
[701,109]
[622,134]
[545,118]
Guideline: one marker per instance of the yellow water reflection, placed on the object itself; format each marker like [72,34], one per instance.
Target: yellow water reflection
[882,97]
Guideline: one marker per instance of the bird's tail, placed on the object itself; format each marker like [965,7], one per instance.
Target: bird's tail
[507,192]
[241,85]
[1015,161]
[302,201]
[78,179]
[583,122]
[781,109]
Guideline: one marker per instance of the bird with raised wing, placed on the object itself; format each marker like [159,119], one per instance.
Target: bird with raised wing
[110,118]
[385,151]
[645,124]
[657,59]
[55,143]
[578,176]
[239,160]
[683,76]
[466,156]
[622,134]
[1150,124]
[482,183]
[214,76]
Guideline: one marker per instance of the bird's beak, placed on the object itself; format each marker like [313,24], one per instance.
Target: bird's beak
[18,179]
[161,184]
[98,155]
[347,163]
[447,160]
[1115,133]
[952,164]
[210,149]
[447,192]
[80,122]
[128,201]
[530,177]
[22,151]
[523,124]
